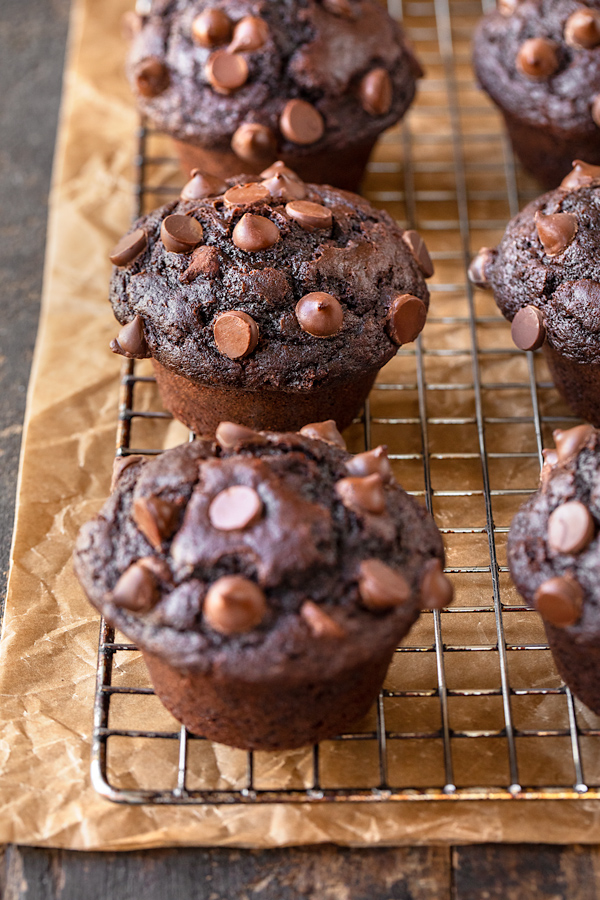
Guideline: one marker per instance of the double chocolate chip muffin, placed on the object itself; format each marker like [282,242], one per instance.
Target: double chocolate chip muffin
[545,275]
[239,85]
[554,557]
[539,60]
[266,578]
[271,303]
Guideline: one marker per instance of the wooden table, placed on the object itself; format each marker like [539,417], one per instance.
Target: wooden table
[32,41]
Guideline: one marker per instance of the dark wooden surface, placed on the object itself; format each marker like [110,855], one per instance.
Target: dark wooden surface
[32,41]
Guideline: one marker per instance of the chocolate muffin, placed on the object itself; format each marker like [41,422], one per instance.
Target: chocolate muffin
[539,60]
[239,85]
[270,303]
[266,578]
[554,557]
[545,275]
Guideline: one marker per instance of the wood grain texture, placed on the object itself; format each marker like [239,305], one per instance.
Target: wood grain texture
[311,873]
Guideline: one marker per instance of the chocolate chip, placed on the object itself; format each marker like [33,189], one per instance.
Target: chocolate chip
[180,234]
[507,7]
[437,590]
[310,216]
[249,34]
[136,590]
[301,123]
[131,25]
[156,518]
[236,334]
[255,233]
[280,168]
[569,443]
[559,600]
[583,173]
[320,314]
[369,463]
[203,261]
[234,605]
[555,231]
[324,431]
[131,340]
[478,270]
[341,8]
[282,187]
[582,29]
[119,465]
[527,329]
[406,318]
[417,247]
[319,622]
[537,58]
[570,528]
[129,248]
[211,28]
[226,71]
[380,586]
[229,435]
[235,508]
[595,110]
[376,93]
[246,194]
[151,77]
[201,185]
[363,494]
[254,143]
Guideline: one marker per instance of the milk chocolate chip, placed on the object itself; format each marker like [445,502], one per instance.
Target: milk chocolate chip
[320,314]
[363,494]
[131,341]
[559,600]
[226,71]
[582,29]
[583,173]
[156,518]
[310,216]
[121,463]
[234,605]
[180,234]
[236,334]
[229,435]
[246,194]
[151,77]
[436,588]
[478,270]
[129,248]
[204,261]
[301,123]
[280,168]
[555,231]
[136,590]
[249,34]
[254,143]
[570,442]
[235,508]
[381,587]
[324,431]
[507,7]
[211,28]
[200,186]
[596,110]
[570,527]
[527,329]
[282,187]
[320,623]
[255,233]
[406,318]
[371,462]
[375,92]
[417,247]
[341,8]
[537,58]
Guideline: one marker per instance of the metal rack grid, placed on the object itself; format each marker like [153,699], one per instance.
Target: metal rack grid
[472,708]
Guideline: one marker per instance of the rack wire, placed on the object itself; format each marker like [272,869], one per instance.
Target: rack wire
[472,708]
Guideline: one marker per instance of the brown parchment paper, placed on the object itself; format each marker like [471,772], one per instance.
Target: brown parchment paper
[48,650]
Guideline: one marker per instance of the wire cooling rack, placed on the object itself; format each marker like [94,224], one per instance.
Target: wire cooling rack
[472,708]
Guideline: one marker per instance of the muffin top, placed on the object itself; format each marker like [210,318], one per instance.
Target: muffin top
[553,547]
[271,283]
[545,273]
[540,59]
[264,76]
[261,546]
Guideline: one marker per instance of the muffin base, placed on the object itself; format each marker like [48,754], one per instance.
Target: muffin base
[343,168]
[578,665]
[202,406]
[279,714]
[578,384]
[548,156]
